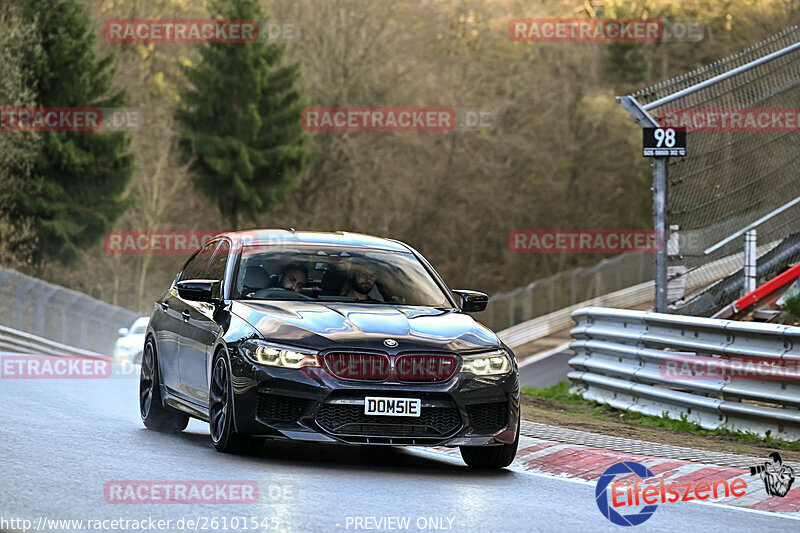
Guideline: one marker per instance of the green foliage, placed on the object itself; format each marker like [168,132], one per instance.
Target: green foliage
[664,421]
[78,176]
[628,62]
[791,306]
[559,393]
[241,121]
[18,150]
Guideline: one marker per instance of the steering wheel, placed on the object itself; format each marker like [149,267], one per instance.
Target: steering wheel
[278,291]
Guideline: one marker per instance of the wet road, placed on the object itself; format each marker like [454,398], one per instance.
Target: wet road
[65,440]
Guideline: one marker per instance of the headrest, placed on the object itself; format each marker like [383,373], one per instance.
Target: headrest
[332,281]
[255,277]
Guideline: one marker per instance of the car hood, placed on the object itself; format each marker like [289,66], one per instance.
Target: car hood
[321,325]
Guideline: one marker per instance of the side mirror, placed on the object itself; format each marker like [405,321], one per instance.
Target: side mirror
[122,332]
[472,301]
[199,290]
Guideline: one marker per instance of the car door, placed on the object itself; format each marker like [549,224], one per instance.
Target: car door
[168,324]
[201,333]
[182,309]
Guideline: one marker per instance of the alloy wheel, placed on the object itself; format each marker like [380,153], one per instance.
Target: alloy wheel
[219,399]
[146,380]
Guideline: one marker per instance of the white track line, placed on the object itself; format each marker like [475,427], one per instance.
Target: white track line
[544,355]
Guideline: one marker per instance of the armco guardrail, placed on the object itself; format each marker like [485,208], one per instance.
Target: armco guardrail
[59,314]
[620,356]
[15,341]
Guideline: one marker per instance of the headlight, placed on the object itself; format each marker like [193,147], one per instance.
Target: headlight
[265,353]
[492,363]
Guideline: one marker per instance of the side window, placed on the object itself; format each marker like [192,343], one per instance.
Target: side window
[217,269]
[196,269]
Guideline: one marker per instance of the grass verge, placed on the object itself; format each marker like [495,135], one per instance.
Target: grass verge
[558,397]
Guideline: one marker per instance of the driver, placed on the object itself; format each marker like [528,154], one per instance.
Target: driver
[292,277]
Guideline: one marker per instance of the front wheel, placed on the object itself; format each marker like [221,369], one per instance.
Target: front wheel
[220,412]
[490,456]
[155,414]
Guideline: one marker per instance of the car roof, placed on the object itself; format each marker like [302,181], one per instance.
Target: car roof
[341,238]
[141,320]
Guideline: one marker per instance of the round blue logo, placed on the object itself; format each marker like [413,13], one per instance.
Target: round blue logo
[391,343]
[601,495]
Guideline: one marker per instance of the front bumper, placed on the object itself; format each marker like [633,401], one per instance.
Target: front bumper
[311,405]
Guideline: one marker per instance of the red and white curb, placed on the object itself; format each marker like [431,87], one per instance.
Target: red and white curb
[587,464]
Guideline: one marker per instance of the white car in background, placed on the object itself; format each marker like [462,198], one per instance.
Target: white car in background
[129,346]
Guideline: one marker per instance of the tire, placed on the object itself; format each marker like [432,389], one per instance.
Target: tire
[490,456]
[220,411]
[155,414]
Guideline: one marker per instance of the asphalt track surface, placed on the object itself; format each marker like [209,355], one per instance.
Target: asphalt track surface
[546,372]
[63,440]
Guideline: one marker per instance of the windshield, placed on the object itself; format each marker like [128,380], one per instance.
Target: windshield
[335,274]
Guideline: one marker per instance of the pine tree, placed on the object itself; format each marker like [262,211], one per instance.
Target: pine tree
[80,175]
[18,150]
[241,121]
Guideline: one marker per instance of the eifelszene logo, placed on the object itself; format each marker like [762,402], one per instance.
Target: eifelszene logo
[638,486]
[777,477]
[601,495]
[631,493]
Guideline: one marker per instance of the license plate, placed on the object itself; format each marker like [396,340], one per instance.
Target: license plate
[374,405]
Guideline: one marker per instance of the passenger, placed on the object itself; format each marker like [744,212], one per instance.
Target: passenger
[361,281]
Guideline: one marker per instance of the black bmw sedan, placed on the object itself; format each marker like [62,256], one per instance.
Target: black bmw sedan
[327,337]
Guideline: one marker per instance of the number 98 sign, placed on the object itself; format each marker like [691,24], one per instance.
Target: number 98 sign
[663,142]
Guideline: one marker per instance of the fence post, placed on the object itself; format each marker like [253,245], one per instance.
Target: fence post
[528,301]
[661,225]
[749,262]
[660,218]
